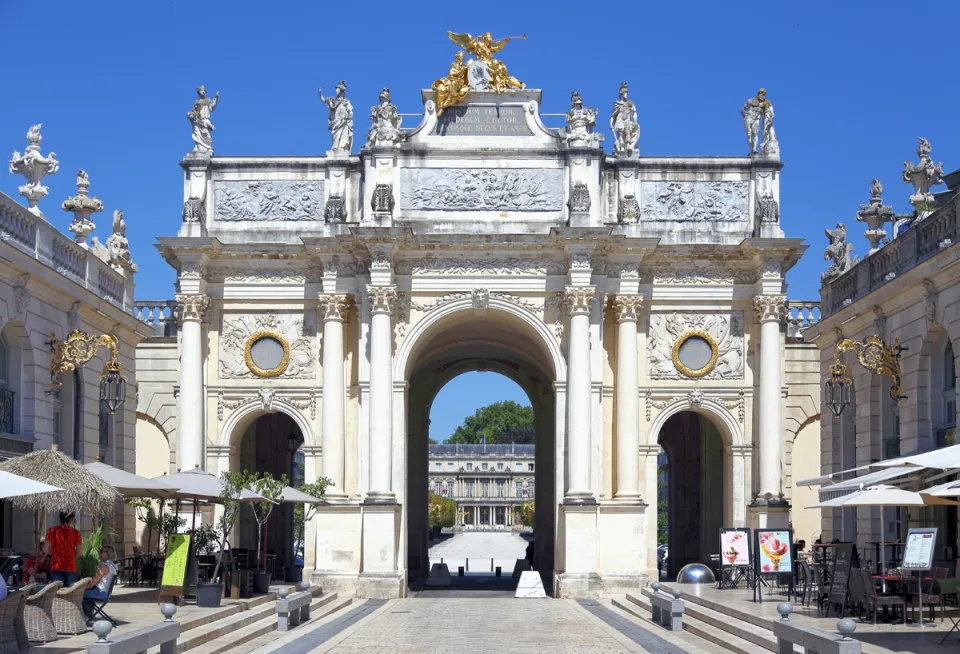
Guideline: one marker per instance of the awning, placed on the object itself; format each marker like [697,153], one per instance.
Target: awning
[848,486]
[941,459]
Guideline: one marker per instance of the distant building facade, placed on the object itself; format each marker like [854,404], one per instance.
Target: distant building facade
[488,482]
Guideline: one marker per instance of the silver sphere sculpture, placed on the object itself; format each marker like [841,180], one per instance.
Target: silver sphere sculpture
[696,573]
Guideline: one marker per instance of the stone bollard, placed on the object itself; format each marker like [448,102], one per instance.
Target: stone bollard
[846,627]
[283,592]
[784,609]
[654,602]
[789,634]
[102,628]
[673,620]
[164,634]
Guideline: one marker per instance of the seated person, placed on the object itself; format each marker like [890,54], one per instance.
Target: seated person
[36,569]
[99,586]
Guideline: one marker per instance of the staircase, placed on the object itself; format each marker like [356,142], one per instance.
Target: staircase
[724,625]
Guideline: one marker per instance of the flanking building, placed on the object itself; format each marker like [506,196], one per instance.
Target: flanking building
[51,285]
[489,483]
[906,290]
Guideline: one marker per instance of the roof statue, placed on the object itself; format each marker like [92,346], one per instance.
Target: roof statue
[199,118]
[480,74]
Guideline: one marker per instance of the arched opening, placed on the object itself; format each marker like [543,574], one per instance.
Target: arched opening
[268,443]
[448,343]
[152,460]
[690,489]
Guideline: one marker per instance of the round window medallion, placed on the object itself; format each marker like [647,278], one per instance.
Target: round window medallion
[695,354]
[267,353]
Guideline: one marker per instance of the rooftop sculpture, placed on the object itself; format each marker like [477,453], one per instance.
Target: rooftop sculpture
[340,121]
[624,125]
[754,111]
[922,175]
[838,252]
[34,167]
[199,117]
[82,206]
[480,74]
[875,214]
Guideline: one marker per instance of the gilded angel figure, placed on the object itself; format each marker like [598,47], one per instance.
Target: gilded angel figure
[454,87]
[483,47]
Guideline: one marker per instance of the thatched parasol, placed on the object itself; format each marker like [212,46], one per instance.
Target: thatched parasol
[82,490]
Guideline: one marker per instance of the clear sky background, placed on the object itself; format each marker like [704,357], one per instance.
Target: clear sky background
[853,83]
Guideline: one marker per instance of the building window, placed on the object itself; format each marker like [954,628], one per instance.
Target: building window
[450,465]
[469,467]
[483,467]
[529,467]
[519,467]
[469,487]
[531,486]
[438,465]
[105,429]
[500,488]
[77,416]
[949,386]
[499,467]
[485,488]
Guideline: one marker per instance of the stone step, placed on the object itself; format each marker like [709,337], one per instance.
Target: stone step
[235,638]
[639,606]
[642,618]
[330,612]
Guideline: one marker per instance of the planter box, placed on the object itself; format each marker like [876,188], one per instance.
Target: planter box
[209,595]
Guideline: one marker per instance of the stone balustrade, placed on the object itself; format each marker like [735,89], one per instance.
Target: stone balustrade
[666,607]
[163,635]
[912,247]
[811,639]
[159,314]
[293,609]
[39,240]
[800,315]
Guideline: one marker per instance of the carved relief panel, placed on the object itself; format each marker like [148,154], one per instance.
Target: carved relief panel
[268,200]
[666,201]
[481,189]
[244,338]
[674,336]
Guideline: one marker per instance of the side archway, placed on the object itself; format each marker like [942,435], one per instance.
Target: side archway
[718,414]
[244,415]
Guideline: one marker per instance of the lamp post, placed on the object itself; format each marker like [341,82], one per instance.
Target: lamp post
[78,349]
[873,355]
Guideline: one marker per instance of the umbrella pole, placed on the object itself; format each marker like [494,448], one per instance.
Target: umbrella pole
[163,503]
[883,544]
[193,523]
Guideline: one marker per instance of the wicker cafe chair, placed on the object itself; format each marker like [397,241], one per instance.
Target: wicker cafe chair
[23,642]
[38,614]
[8,628]
[68,615]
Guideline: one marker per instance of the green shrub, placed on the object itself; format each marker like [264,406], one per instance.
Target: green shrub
[442,511]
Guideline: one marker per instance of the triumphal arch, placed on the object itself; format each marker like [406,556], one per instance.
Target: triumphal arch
[324,300]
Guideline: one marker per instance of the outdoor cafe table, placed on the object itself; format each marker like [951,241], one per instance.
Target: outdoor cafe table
[895,554]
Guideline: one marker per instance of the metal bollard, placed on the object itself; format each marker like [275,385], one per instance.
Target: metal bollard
[460,571]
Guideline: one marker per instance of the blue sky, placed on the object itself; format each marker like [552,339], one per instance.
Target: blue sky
[853,83]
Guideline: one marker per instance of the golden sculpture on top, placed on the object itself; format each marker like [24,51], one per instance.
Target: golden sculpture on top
[485,72]
[78,349]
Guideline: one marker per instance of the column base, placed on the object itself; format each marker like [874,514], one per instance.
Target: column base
[616,583]
[578,585]
[339,539]
[344,585]
[623,547]
[336,498]
[769,514]
[380,585]
[380,497]
[579,498]
[381,526]
[578,540]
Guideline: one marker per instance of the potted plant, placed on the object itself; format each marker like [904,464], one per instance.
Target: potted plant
[204,538]
[210,594]
[89,560]
[302,514]
[271,490]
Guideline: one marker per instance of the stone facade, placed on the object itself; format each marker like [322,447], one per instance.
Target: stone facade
[489,483]
[909,290]
[509,253]
[50,285]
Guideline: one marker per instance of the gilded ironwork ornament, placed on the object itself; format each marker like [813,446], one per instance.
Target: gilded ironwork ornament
[689,361]
[876,357]
[260,366]
[485,72]
[79,348]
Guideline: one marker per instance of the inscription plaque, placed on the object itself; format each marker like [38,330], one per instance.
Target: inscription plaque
[472,120]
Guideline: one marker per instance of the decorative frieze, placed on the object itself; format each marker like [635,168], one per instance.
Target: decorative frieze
[268,200]
[237,333]
[702,275]
[666,201]
[191,307]
[724,334]
[481,189]
[511,266]
[770,308]
[694,400]
[627,307]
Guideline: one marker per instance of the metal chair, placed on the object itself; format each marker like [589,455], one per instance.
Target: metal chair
[96,605]
[872,598]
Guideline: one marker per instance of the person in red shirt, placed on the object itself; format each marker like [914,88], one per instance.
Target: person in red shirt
[66,545]
[36,569]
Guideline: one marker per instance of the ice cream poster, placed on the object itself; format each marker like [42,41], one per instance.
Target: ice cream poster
[773,551]
[734,547]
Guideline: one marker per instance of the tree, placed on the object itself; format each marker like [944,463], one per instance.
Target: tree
[230,501]
[270,489]
[441,511]
[525,513]
[500,422]
[303,513]
[662,507]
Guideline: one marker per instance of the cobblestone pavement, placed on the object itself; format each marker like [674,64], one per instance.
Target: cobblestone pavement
[499,625]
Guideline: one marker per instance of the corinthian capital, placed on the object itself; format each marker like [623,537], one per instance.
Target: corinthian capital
[334,306]
[770,307]
[578,299]
[192,307]
[383,299]
[627,307]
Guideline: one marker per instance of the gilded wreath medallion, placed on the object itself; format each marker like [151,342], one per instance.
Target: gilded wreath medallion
[695,353]
[267,353]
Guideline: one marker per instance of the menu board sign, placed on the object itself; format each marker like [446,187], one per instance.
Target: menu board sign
[774,555]
[734,547]
[918,553]
[845,554]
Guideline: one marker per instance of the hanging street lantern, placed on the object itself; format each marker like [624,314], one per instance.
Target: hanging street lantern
[78,349]
[873,355]
[836,389]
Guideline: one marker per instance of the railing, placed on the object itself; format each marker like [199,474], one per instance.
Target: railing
[915,245]
[158,314]
[293,609]
[163,634]
[39,240]
[6,411]
[811,639]
[800,315]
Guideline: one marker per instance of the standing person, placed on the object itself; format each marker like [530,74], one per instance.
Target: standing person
[99,586]
[66,545]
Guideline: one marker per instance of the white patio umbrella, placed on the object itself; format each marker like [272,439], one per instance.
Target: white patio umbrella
[129,484]
[882,495]
[12,485]
[197,484]
[290,494]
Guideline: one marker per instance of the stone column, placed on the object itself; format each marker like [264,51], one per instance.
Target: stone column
[770,311]
[382,304]
[190,311]
[627,398]
[578,300]
[333,310]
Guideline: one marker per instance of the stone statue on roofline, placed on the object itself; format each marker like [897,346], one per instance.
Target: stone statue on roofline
[118,246]
[199,117]
[624,125]
[340,121]
[580,123]
[34,167]
[922,176]
[838,252]
[754,111]
[385,130]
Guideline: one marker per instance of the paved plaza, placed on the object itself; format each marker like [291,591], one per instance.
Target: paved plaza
[485,625]
[480,547]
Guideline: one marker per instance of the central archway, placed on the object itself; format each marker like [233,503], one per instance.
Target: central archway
[456,338]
